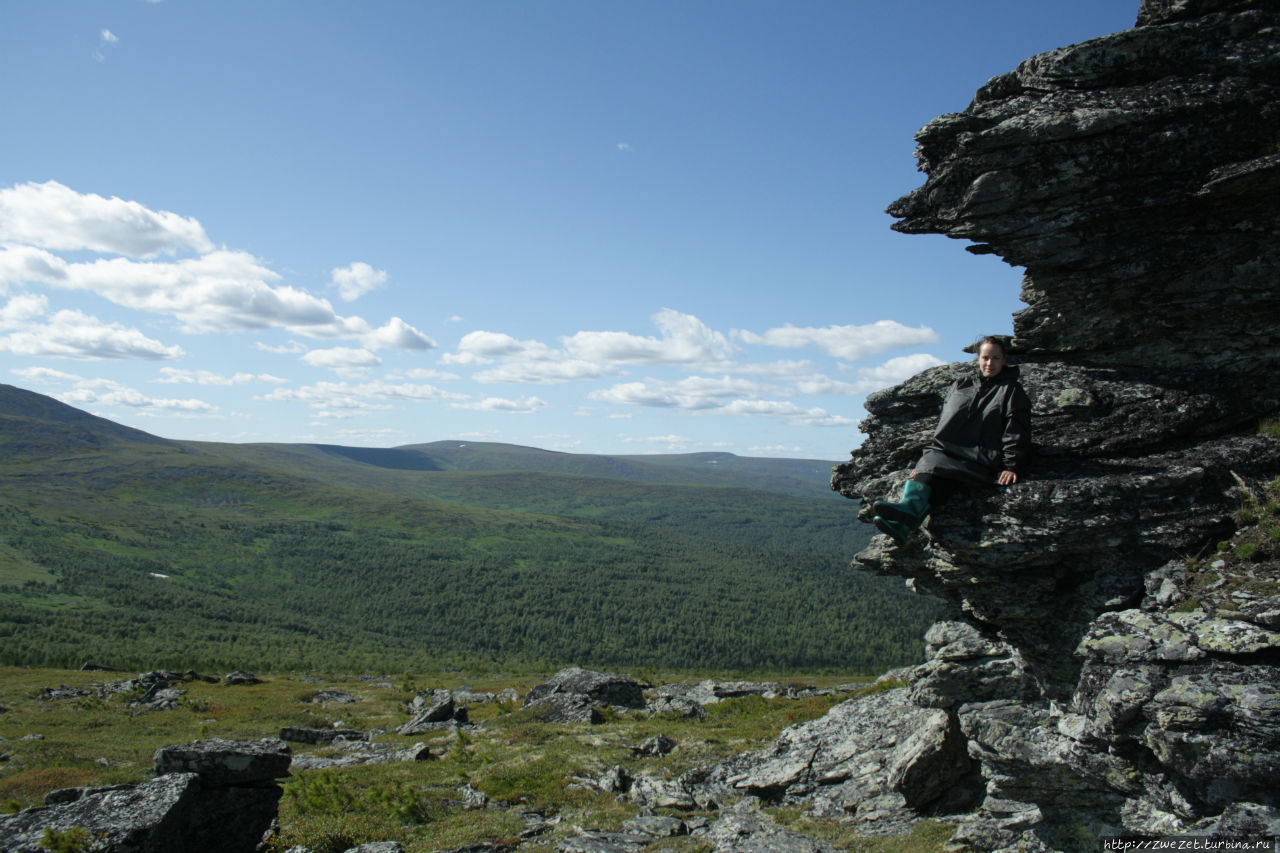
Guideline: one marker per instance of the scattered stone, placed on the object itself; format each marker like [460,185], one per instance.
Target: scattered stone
[654,747]
[599,688]
[297,734]
[359,753]
[239,677]
[219,761]
[566,708]
[432,711]
[222,802]
[331,697]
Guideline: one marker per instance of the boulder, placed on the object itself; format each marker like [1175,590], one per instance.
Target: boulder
[240,676]
[566,708]
[216,795]
[432,711]
[598,687]
[298,734]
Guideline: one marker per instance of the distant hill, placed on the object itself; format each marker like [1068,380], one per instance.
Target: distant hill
[34,423]
[789,476]
[142,552]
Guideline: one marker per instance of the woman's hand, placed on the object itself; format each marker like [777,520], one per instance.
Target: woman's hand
[1007,478]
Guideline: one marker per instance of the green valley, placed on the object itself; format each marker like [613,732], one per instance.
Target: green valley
[136,551]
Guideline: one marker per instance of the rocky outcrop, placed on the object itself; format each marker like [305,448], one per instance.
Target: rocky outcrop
[1094,684]
[599,687]
[214,795]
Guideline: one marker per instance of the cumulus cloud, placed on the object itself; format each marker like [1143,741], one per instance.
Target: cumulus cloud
[21,309]
[135,399]
[524,362]
[342,359]
[489,345]
[694,392]
[220,291]
[848,342]
[44,374]
[291,348]
[109,37]
[357,279]
[109,393]
[397,334]
[178,376]
[343,396]
[216,290]
[543,372]
[52,216]
[522,406]
[685,340]
[894,370]
[74,334]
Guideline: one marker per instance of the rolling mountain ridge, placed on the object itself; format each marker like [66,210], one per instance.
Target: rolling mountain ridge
[149,552]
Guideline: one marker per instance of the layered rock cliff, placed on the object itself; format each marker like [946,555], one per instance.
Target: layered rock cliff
[1102,674]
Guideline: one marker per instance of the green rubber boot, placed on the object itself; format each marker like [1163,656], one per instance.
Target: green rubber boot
[909,511]
[897,531]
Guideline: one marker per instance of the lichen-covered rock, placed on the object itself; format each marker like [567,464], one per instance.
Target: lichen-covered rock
[600,688]
[226,762]
[566,708]
[879,760]
[1106,682]
[217,796]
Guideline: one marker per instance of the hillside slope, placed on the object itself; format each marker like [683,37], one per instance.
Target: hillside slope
[145,552]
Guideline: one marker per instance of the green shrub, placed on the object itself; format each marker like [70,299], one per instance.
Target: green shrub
[74,840]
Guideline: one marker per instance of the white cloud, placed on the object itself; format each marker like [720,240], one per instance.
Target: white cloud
[893,371]
[52,216]
[544,372]
[488,345]
[109,37]
[291,348]
[343,396]
[108,393]
[523,406]
[357,279]
[178,376]
[694,392]
[685,340]
[342,359]
[44,374]
[22,309]
[796,415]
[397,334]
[847,342]
[74,334]
[421,373]
[218,290]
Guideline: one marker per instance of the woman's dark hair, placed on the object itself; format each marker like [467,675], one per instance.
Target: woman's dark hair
[1003,343]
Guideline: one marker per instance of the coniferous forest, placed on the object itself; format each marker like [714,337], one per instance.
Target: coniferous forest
[127,550]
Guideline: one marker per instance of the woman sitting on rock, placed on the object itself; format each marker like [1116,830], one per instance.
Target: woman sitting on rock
[983,438]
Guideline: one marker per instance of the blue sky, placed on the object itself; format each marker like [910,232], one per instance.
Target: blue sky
[616,227]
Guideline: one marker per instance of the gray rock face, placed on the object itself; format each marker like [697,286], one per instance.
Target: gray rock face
[598,687]
[213,795]
[1097,685]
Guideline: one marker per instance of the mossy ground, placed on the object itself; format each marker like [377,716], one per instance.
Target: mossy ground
[522,764]
[1247,564]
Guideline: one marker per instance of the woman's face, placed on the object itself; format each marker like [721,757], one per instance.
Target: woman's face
[990,359]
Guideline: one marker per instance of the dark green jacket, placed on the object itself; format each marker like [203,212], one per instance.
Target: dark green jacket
[985,428]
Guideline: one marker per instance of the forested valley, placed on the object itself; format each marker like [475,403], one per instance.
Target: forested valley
[128,550]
